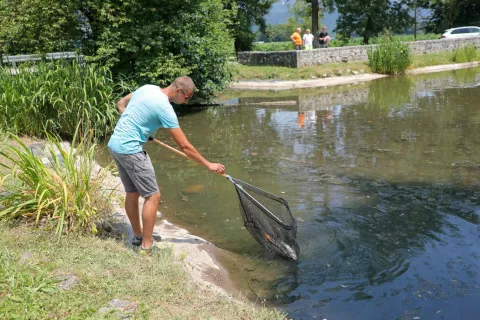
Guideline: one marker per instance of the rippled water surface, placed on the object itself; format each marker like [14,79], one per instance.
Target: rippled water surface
[382,178]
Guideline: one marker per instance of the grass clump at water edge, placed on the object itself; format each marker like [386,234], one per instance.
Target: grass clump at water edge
[56,185]
[467,53]
[389,57]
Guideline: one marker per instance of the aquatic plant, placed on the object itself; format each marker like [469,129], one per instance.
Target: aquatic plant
[391,56]
[465,53]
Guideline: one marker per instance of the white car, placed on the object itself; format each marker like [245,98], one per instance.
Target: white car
[462,32]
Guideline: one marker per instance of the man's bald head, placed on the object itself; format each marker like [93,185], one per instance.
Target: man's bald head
[186,84]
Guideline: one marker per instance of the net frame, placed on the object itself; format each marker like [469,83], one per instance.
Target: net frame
[286,245]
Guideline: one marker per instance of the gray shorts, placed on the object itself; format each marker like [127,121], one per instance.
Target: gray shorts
[136,172]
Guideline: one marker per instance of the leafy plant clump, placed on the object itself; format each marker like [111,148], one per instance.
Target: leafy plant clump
[60,188]
[389,57]
[56,97]
[467,53]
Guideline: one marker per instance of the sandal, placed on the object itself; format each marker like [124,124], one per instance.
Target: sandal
[137,241]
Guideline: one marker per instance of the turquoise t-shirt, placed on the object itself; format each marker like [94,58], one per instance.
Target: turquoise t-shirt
[147,111]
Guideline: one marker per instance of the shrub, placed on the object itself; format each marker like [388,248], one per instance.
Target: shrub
[389,57]
[64,192]
[56,97]
[466,53]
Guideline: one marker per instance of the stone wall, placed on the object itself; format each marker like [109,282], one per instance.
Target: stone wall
[295,59]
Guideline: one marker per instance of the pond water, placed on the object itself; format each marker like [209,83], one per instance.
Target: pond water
[382,178]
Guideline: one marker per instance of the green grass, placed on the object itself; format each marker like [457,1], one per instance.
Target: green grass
[106,270]
[242,72]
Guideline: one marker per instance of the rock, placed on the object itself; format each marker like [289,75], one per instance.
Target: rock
[344,59]
[313,77]
[339,73]
[121,308]
[324,75]
[68,283]
[354,72]
[362,71]
[24,257]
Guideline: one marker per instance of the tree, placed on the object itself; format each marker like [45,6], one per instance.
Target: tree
[415,7]
[247,14]
[151,41]
[368,19]
[452,13]
[38,26]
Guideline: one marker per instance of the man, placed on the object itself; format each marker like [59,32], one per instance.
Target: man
[308,40]
[143,112]
[324,38]
[297,39]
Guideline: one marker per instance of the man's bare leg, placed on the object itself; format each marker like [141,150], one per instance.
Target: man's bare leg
[131,207]
[149,215]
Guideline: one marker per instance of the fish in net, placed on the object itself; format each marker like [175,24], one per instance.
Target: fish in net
[268,219]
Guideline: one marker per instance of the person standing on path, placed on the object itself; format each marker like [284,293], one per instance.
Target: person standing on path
[308,40]
[324,38]
[142,113]
[297,39]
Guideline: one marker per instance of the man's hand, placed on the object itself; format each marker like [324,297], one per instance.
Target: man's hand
[216,168]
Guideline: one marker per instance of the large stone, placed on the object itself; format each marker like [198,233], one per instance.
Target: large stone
[121,308]
[68,281]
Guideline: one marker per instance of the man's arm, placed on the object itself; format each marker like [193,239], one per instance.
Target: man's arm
[183,143]
[123,103]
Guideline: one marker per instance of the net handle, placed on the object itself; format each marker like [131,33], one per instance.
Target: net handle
[178,152]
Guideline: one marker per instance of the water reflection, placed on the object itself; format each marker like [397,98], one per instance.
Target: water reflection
[383,179]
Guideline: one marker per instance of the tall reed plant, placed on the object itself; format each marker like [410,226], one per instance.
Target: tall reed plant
[467,53]
[64,192]
[389,57]
[56,97]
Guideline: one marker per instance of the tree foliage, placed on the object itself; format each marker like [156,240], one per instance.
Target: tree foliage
[38,26]
[148,40]
[300,16]
[367,19]
[247,14]
[159,40]
[453,13]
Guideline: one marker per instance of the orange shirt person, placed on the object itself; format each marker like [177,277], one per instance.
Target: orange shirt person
[297,39]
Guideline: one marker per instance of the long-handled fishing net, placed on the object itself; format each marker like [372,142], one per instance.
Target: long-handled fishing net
[266,216]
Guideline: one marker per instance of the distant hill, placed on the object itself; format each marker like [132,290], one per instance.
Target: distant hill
[279,13]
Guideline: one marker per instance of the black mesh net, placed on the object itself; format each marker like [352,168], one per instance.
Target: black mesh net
[268,219]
